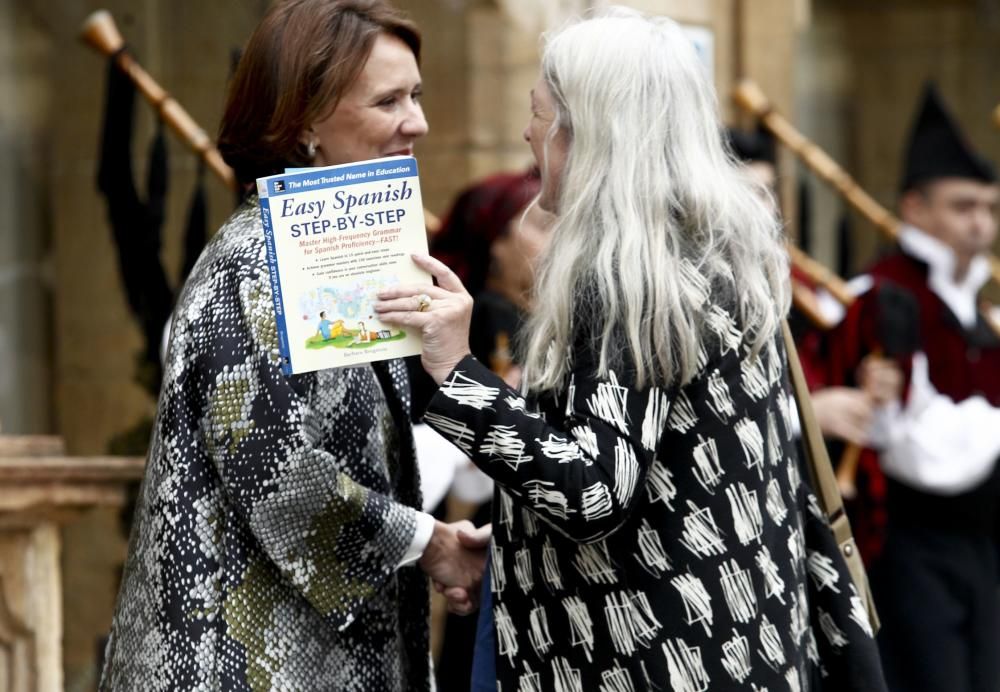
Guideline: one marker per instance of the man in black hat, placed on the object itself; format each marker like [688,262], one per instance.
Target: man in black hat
[935,580]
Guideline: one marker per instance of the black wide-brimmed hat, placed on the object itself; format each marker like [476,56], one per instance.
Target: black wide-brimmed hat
[937,148]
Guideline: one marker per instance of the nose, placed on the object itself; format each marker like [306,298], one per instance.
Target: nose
[415,124]
[527,134]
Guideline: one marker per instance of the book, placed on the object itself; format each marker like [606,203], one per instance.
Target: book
[336,236]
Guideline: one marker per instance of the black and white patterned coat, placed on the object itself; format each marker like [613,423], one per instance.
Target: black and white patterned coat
[274,510]
[658,538]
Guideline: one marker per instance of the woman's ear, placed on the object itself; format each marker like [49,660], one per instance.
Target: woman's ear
[309,141]
[306,136]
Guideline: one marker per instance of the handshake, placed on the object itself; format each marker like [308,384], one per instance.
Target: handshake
[454,559]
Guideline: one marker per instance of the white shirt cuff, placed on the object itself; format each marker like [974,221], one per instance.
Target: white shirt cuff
[937,445]
[421,537]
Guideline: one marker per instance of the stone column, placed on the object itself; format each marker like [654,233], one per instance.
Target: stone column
[39,490]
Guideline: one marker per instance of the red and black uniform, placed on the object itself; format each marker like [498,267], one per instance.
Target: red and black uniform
[931,549]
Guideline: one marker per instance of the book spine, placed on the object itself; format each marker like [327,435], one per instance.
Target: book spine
[272,266]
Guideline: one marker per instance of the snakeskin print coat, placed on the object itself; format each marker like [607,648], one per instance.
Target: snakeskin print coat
[274,510]
[659,538]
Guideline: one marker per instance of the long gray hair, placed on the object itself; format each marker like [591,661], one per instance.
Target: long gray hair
[654,214]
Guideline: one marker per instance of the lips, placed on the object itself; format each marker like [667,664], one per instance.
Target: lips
[401,152]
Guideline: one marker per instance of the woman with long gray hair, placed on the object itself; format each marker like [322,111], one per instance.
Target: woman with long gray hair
[651,527]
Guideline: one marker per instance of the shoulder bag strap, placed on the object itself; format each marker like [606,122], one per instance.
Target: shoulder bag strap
[824,482]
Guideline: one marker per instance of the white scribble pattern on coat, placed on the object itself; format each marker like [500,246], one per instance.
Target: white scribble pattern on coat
[662,537]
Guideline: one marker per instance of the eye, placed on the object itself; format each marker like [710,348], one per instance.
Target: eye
[387,102]
[416,95]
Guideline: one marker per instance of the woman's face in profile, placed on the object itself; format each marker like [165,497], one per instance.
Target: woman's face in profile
[379,115]
[543,114]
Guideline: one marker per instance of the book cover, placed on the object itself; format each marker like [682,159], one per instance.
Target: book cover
[336,236]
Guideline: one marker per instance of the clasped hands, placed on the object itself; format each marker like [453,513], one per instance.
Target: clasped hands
[455,559]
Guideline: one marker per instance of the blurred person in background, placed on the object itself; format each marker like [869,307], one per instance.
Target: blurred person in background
[491,237]
[934,572]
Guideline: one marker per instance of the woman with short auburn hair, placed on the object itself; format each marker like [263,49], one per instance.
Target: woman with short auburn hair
[278,535]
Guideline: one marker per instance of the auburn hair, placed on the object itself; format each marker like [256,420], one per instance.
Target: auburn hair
[296,66]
